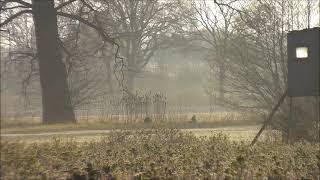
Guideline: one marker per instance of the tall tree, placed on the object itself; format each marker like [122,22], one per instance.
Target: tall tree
[139,26]
[212,22]
[56,101]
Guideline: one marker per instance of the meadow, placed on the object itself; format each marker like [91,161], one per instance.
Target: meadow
[30,124]
[238,126]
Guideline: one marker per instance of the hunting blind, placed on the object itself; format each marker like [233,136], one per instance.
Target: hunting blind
[304,62]
[303,72]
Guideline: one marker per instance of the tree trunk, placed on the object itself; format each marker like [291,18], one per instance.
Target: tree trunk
[131,72]
[221,81]
[108,60]
[109,77]
[130,81]
[56,103]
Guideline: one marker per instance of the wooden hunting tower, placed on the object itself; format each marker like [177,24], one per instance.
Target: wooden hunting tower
[304,62]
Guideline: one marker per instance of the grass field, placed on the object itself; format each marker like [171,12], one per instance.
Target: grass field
[235,133]
[237,126]
[172,120]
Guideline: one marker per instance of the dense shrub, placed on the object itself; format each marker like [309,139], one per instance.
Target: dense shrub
[157,154]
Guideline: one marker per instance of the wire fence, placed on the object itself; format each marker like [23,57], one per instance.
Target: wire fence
[127,108]
[137,107]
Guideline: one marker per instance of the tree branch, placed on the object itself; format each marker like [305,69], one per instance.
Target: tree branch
[14,7]
[106,38]
[15,16]
[84,21]
[18,1]
[64,4]
[87,5]
[229,6]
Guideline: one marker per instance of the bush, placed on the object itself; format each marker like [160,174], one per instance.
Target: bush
[157,153]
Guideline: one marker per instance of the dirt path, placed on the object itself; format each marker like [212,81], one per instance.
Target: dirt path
[75,132]
[235,133]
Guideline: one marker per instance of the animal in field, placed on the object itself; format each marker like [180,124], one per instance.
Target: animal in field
[193,119]
[147,120]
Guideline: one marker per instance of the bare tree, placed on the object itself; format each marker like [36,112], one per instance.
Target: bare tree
[19,44]
[139,25]
[212,24]
[258,57]
[56,100]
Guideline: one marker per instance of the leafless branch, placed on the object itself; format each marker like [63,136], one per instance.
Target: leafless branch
[87,5]
[60,6]
[17,1]
[106,38]
[9,19]
[241,13]
[13,7]
[86,22]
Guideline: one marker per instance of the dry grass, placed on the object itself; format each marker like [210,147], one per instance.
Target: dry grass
[234,133]
[122,119]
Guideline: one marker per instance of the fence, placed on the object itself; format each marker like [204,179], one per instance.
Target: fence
[126,108]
